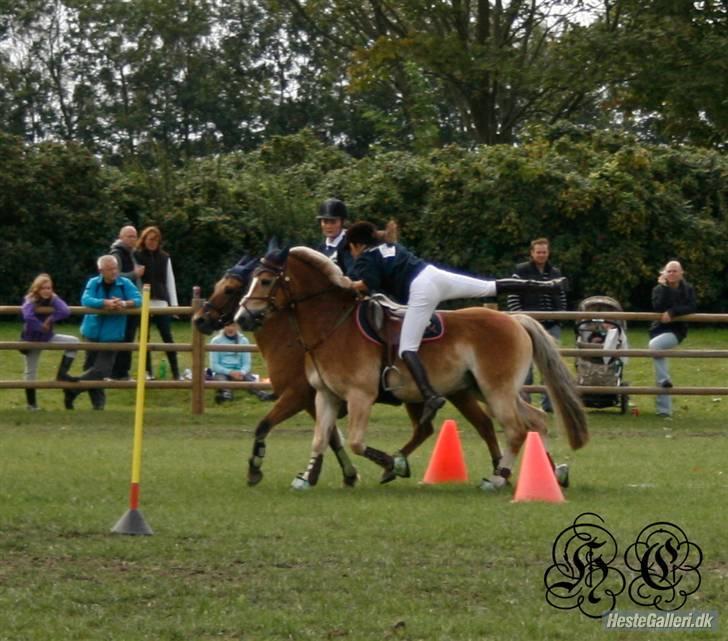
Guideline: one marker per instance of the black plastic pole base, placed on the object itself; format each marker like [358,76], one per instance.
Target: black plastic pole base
[132,523]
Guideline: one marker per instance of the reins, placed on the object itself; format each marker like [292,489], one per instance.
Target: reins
[291,304]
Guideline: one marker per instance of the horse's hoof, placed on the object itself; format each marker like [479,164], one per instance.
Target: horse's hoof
[351,481]
[300,483]
[401,465]
[255,476]
[494,484]
[388,476]
[562,474]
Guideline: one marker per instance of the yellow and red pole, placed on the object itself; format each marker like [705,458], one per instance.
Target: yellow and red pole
[133,522]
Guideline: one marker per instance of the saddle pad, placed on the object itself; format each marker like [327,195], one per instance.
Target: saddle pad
[435,330]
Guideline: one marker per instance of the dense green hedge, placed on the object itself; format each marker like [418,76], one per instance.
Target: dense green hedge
[615,210]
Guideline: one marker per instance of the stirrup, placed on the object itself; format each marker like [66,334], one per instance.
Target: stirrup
[385,372]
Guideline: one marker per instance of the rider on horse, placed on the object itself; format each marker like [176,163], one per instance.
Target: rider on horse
[394,270]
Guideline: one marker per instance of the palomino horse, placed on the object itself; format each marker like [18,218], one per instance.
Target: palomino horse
[285,357]
[483,352]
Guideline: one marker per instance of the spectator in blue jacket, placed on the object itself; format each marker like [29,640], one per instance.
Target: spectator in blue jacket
[233,366]
[107,291]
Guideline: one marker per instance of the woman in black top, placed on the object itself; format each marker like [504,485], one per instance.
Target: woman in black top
[159,276]
[672,296]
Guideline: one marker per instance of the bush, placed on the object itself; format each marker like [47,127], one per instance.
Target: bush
[615,210]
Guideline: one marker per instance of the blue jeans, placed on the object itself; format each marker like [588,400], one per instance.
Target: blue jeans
[555,332]
[668,340]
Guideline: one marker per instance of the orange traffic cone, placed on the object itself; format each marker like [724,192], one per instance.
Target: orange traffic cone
[536,479]
[447,464]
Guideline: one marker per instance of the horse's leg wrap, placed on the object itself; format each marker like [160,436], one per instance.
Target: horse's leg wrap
[497,481]
[255,475]
[400,467]
[313,471]
[503,472]
[380,458]
[255,462]
[496,462]
[336,442]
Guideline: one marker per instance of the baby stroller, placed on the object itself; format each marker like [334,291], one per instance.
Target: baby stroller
[600,333]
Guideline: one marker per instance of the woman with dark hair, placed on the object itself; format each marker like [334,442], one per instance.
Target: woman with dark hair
[38,327]
[392,269]
[158,274]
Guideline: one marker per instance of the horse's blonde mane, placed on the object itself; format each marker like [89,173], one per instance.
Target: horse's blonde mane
[324,264]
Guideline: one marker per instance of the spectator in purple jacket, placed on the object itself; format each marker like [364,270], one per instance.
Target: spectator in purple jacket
[38,327]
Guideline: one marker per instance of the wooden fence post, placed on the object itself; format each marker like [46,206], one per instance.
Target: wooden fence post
[198,358]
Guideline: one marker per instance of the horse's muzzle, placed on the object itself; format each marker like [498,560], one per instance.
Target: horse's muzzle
[204,324]
[249,321]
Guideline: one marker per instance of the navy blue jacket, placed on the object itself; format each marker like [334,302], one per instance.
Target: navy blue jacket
[388,268]
[339,254]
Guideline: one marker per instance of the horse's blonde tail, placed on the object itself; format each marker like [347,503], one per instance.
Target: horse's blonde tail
[559,382]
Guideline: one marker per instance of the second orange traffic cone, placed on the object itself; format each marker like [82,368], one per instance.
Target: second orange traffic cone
[536,479]
[447,464]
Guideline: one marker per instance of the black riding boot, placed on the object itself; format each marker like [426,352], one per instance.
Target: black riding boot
[30,399]
[433,401]
[521,286]
[63,368]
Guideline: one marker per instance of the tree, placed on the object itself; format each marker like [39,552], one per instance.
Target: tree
[674,71]
[496,65]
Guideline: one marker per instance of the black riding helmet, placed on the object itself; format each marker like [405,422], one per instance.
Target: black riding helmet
[332,208]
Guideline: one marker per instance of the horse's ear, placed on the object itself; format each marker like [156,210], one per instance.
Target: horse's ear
[248,267]
[243,260]
[277,257]
[273,244]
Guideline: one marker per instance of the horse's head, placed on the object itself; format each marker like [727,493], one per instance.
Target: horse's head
[261,295]
[219,309]
[283,280]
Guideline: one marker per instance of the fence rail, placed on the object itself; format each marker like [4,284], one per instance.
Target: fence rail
[199,347]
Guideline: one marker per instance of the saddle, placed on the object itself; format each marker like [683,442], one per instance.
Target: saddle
[380,320]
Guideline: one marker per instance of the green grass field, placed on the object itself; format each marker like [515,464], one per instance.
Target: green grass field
[402,561]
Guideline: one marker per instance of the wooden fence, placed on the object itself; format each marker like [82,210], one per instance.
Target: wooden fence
[198,346]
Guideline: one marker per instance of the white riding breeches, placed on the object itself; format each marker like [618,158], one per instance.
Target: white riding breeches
[427,290]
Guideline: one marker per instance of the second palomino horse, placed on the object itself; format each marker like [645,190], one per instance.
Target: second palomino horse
[285,358]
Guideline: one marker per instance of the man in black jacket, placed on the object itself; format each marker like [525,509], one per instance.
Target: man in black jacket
[539,268]
[123,250]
